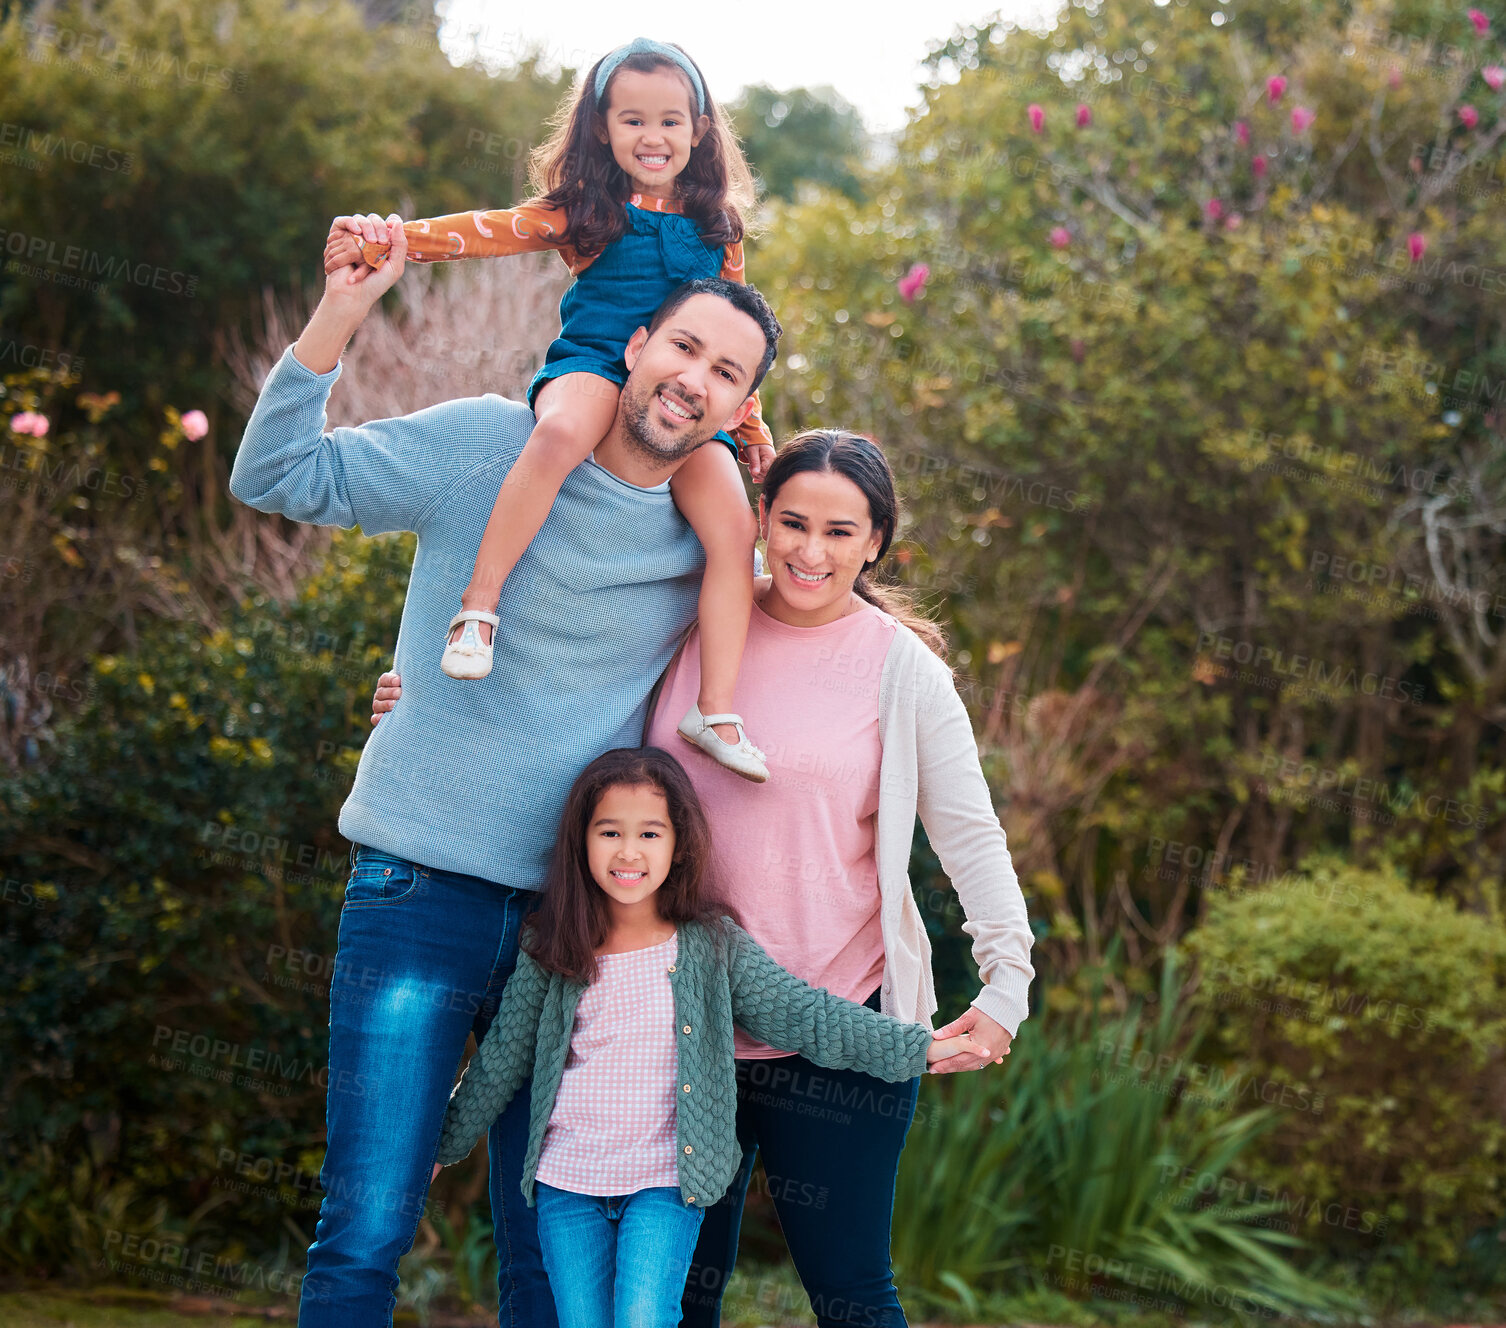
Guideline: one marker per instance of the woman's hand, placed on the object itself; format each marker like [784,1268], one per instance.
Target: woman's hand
[987,1033]
[389,688]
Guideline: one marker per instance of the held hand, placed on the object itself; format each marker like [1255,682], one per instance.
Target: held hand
[389,688]
[367,236]
[434,1173]
[986,1032]
[947,1049]
[760,457]
[367,227]
[341,249]
[357,279]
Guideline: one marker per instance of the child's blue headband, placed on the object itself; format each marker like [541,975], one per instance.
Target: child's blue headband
[643,46]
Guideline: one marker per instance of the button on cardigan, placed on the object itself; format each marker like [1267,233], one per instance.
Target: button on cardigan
[719,978]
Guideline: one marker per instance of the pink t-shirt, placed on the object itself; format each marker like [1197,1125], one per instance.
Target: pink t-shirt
[612,1130]
[796,853]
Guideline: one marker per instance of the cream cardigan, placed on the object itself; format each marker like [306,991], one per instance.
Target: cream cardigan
[930,766]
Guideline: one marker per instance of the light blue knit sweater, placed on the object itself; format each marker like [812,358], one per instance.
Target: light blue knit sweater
[471,776]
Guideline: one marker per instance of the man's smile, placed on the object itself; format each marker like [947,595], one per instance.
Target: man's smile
[678,408]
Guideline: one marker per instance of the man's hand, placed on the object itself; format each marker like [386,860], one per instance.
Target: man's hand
[349,293]
[359,278]
[985,1030]
[760,458]
[351,240]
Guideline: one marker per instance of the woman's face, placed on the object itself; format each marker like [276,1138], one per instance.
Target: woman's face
[818,533]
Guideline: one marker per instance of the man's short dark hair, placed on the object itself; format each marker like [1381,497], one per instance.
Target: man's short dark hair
[742,297]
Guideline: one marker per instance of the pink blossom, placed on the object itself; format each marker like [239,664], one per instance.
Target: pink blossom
[1482,24]
[1301,118]
[913,282]
[1469,117]
[1394,77]
[1231,222]
[1494,76]
[1274,87]
[1213,209]
[1061,237]
[29,422]
[1084,115]
[1077,348]
[1242,134]
[1258,165]
[1417,243]
[195,425]
[1037,116]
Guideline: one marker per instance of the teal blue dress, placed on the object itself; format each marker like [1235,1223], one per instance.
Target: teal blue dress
[619,292]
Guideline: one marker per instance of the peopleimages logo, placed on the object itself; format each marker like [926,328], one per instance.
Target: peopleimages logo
[32,253]
[44,145]
[1277,663]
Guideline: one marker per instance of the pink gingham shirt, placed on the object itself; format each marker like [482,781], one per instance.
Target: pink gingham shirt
[612,1130]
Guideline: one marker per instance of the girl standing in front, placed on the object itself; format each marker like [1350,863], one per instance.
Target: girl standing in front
[641,187]
[631,975]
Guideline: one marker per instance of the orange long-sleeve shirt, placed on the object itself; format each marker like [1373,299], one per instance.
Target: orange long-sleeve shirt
[529,228]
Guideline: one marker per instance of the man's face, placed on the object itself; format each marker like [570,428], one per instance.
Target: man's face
[691,378]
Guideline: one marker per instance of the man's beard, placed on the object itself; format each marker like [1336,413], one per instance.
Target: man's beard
[647,437]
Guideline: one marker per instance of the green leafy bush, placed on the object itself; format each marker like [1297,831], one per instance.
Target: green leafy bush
[1388,1007]
[173,879]
[1066,1172]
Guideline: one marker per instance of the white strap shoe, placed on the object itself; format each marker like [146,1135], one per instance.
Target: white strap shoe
[742,758]
[469,656]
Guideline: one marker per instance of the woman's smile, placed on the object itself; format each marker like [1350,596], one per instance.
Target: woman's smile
[808,578]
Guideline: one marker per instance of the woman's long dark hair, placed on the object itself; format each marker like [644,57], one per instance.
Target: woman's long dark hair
[857,457]
[575,170]
[572,919]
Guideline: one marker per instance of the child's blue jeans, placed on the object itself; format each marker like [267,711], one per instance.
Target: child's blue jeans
[617,1261]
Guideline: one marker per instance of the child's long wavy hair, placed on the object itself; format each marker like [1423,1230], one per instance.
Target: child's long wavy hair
[572,919]
[576,171]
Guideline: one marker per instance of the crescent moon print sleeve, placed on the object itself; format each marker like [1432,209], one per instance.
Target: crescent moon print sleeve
[493,233]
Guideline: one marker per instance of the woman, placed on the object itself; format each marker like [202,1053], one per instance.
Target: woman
[862,727]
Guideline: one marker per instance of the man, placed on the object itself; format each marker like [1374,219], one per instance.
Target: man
[455,801]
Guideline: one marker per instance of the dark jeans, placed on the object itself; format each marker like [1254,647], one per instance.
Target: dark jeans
[421,961]
[831,1141]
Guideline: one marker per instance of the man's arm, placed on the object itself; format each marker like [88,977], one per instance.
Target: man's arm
[381,476]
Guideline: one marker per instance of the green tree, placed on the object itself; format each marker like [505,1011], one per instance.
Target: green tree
[801,136]
[1165,420]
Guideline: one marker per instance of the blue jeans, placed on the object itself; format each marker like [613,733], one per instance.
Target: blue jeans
[422,958]
[831,1141]
[618,1261]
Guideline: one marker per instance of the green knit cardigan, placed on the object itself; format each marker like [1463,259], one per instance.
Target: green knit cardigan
[718,980]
